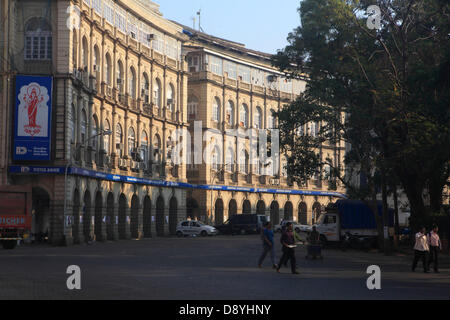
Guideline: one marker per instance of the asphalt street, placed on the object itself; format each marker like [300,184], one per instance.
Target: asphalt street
[219,268]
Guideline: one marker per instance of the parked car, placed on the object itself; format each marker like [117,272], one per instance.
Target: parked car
[243,224]
[187,228]
[297,227]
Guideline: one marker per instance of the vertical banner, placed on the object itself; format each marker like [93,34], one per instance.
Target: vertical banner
[33,112]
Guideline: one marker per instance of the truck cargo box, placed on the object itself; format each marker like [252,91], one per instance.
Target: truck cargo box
[357,215]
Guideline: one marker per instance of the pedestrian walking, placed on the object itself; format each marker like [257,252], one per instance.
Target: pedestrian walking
[297,238]
[421,250]
[288,245]
[268,245]
[435,247]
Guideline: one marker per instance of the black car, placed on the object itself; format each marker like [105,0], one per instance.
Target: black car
[242,224]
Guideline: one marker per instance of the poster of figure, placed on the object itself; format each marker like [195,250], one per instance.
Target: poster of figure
[33,118]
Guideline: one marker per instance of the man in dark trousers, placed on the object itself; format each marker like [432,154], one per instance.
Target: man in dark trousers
[268,245]
[421,250]
[435,245]
[288,243]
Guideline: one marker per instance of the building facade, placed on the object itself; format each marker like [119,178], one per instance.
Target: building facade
[119,93]
[233,93]
[128,91]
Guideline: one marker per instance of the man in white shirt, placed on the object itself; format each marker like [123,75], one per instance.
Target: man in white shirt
[421,250]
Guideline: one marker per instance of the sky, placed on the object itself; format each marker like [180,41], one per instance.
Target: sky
[261,25]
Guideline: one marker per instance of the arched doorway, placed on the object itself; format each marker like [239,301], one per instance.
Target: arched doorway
[41,220]
[110,220]
[261,208]
[122,217]
[288,211]
[317,210]
[173,216]
[303,213]
[275,213]
[147,219]
[232,208]
[98,220]
[76,217]
[218,212]
[246,207]
[134,219]
[87,223]
[160,216]
[192,210]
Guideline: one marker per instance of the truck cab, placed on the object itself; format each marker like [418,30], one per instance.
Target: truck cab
[328,226]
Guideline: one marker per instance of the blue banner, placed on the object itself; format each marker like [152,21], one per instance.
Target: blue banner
[161,183]
[32,120]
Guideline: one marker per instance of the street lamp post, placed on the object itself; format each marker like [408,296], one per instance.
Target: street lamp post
[66,170]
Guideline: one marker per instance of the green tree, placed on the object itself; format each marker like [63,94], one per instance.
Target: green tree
[391,84]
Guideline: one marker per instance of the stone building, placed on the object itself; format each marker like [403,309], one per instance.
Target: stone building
[232,88]
[127,89]
[119,94]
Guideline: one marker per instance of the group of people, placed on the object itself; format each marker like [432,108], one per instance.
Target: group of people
[288,240]
[427,248]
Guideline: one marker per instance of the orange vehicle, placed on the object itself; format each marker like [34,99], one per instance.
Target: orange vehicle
[15,215]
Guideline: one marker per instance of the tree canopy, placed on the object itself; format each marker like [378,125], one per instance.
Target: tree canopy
[383,91]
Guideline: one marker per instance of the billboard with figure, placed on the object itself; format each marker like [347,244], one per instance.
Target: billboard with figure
[33,109]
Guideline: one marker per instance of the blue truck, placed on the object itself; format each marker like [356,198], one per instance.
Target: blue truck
[350,216]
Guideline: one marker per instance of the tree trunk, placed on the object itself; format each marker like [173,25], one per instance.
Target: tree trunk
[414,192]
[386,240]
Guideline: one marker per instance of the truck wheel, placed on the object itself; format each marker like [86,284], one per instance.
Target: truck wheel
[9,245]
[243,231]
[203,233]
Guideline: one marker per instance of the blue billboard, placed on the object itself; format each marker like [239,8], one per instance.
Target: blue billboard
[32,120]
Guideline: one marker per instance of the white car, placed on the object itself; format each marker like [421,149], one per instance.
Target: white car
[297,227]
[188,228]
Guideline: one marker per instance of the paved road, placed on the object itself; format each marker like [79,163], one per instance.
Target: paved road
[223,267]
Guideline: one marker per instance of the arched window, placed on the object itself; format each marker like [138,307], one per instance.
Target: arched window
[72,121]
[108,70]
[38,40]
[74,49]
[284,170]
[230,113]
[216,110]
[84,53]
[272,124]
[145,88]
[157,93]
[170,97]
[157,148]
[94,133]
[229,160]
[132,83]
[192,107]
[215,159]
[131,141]
[97,63]
[107,138]
[243,115]
[120,76]
[119,140]
[258,118]
[83,127]
[244,162]
[144,147]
